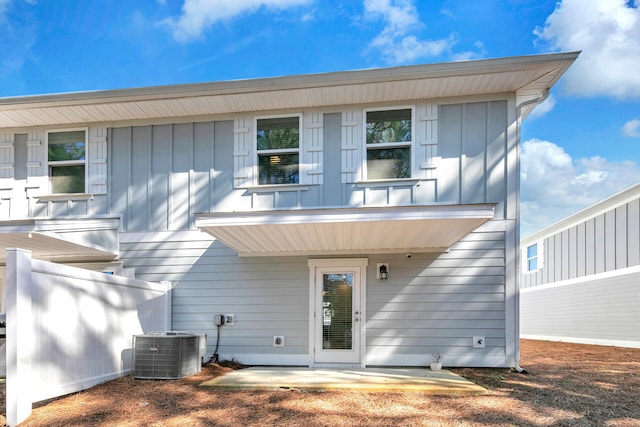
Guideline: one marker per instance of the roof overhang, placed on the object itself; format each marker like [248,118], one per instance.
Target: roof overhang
[342,231]
[528,77]
[68,241]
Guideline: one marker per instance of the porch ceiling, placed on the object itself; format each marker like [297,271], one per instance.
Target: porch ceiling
[344,231]
[528,77]
[48,245]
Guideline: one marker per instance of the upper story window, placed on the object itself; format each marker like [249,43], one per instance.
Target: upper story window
[389,136]
[533,257]
[278,148]
[67,161]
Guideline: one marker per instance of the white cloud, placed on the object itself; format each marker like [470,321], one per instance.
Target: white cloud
[554,186]
[396,42]
[18,35]
[631,128]
[199,15]
[608,34]
[544,108]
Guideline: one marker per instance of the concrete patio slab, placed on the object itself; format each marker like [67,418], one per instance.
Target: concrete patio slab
[368,379]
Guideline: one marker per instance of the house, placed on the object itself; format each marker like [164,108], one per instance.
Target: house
[581,275]
[359,218]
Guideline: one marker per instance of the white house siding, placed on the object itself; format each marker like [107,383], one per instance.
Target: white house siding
[607,242]
[601,309]
[160,175]
[268,296]
[587,288]
[438,303]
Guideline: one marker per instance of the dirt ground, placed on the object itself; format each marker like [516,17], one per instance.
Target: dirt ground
[565,385]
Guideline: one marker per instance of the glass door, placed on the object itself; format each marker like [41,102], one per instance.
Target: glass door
[337,315]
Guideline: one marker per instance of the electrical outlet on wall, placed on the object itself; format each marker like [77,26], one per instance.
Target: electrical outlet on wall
[229,319]
[278,341]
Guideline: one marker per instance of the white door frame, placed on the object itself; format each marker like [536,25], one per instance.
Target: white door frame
[358,265]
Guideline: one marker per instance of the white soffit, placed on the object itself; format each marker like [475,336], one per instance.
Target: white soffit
[344,231]
[528,77]
[48,245]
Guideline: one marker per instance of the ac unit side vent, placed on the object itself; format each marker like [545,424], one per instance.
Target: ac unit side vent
[166,355]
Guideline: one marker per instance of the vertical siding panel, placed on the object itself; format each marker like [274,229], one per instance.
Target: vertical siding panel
[581,249]
[332,160]
[473,153]
[202,168]
[139,209]
[572,253]
[564,255]
[496,155]
[590,246]
[120,173]
[633,240]
[160,169]
[450,150]
[223,181]
[558,257]
[621,233]
[180,186]
[549,262]
[600,244]
[610,240]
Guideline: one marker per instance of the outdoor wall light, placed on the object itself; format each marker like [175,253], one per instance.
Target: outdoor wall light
[383,271]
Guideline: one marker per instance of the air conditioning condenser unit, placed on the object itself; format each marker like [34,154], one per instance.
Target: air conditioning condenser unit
[166,355]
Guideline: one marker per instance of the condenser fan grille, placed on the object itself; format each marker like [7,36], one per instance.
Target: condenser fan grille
[166,355]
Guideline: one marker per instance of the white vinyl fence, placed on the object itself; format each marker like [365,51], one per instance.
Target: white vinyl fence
[69,329]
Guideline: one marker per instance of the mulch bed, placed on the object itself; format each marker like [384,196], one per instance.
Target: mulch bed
[565,385]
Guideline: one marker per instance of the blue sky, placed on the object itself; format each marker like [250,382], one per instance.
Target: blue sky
[582,145]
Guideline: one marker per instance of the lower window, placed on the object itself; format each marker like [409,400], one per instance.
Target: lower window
[389,163]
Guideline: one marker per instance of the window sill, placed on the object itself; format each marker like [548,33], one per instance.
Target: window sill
[59,197]
[277,187]
[400,182]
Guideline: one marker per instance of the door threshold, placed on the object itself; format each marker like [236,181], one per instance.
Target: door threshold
[338,366]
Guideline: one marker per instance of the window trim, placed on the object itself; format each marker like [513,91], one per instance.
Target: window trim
[84,162]
[411,144]
[257,153]
[539,257]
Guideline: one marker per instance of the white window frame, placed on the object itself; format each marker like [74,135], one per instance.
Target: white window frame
[256,168]
[84,162]
[411,144]
[539,257]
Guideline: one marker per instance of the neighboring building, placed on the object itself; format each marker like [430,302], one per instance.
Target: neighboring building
[283,203]
[581,276]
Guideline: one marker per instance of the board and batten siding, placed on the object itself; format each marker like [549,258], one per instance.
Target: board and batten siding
[607,242]
[268,296]
[158,176]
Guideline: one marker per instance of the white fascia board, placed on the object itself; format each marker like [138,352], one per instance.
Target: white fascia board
[338,215]
[269,84]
